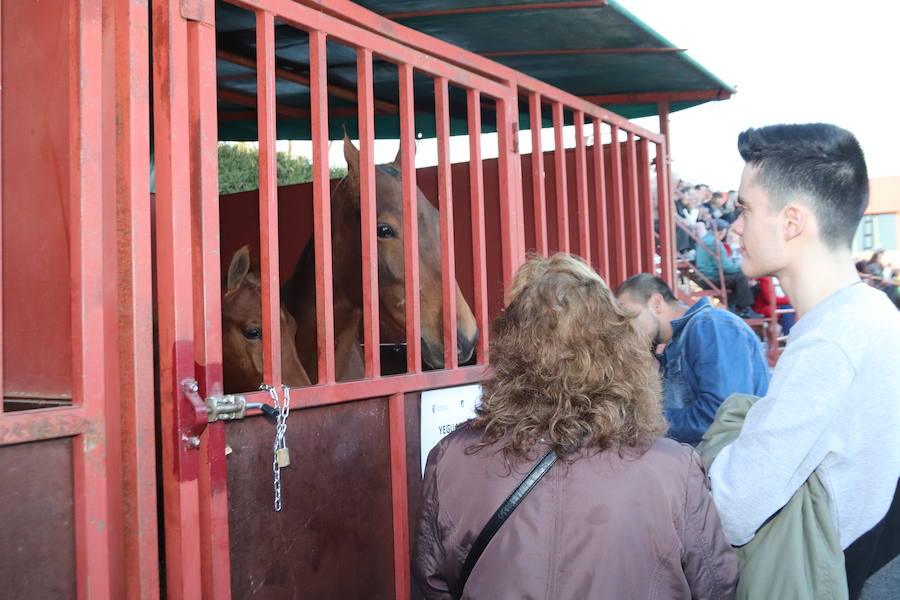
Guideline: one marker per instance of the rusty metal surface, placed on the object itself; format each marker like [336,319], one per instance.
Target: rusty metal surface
[413,412]
[332,538]
[37,521]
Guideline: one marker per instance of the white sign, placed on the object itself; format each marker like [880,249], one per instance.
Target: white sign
[443,411]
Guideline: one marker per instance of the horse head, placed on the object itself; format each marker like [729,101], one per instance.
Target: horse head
[391,274]
[242,331]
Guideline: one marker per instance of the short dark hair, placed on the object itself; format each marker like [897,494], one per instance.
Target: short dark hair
[818,160]
[643,285]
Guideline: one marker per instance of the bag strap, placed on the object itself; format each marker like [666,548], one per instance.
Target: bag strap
[500,516]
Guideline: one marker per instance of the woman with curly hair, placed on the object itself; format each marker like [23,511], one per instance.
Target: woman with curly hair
[624,514]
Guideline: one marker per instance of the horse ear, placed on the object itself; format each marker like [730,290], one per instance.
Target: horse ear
[351,154]
[239,267]
[398,159]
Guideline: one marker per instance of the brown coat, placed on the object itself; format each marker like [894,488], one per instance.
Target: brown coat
[601,527]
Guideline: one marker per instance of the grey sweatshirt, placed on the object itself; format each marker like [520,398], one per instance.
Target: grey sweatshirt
[833,404]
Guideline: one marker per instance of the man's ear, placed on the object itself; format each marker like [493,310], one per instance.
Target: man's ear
[656,303]
[796,220]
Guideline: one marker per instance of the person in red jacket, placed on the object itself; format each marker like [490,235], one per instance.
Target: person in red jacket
[770,289]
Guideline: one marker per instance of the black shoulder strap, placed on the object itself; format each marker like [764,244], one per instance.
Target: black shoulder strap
[501,515]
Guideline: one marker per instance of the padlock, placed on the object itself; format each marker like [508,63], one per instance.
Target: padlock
[283,458]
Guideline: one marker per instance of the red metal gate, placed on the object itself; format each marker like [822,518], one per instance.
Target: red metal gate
[78,295]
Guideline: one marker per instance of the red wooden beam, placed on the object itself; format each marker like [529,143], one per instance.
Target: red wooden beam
[322,207]
[562,199]
[617,203]
[581,191]
[479,254]
[268,198]
[631,207]
[538,194]
[410,219]
[499,8]
[445,207]
[399,501]
[600,200]
[655,97]
[512,233]
[368,214]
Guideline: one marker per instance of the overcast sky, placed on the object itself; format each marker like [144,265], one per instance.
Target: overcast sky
[792,61]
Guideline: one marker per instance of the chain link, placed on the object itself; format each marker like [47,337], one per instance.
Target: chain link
[280,430]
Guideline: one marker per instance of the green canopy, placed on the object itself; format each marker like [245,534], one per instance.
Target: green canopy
[590,48]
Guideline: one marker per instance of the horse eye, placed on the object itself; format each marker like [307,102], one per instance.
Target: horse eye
[253,334]
[386,231]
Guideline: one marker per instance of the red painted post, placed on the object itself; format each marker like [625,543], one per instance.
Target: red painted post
[562,199]
[399,502]
[445,207]
[174,298]
[632,209]
[322,206]
[510,181]
[268,197]
[135,394]
[476,194]
[600,199]
[617,202]
[410,219]
[368,212]
[92,351]
[539,199]
[666,225]
[648,243]
[213,519]
[581,192]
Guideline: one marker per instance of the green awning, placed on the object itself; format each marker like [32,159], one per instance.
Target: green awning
[590,48]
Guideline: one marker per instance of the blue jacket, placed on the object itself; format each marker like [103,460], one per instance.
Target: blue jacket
[712,355]
[706,262]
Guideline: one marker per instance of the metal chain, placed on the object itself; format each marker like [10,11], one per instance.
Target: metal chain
[280,429]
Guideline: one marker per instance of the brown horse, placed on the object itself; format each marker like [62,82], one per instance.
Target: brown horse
[242,331]
[299,290]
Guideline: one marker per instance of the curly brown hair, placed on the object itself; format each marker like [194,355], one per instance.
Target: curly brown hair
[569,368]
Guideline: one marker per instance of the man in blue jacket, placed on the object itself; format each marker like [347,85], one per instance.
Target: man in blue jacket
[710,354]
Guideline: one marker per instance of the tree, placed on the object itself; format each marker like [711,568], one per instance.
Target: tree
[239,169]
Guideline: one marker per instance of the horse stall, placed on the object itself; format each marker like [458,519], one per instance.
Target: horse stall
[139,456]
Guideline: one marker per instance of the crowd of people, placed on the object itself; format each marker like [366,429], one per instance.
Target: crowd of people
[596,469]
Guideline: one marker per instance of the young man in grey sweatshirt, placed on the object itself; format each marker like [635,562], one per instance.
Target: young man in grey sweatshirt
[833,404]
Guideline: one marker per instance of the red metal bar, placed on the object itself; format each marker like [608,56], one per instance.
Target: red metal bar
[648,243]
[353,391]
[135,394]
[368,212]
[41,424]
[215,562]
[581,192]
[174,299]
[268,198]
[399,502]
[666,224]
[632,208]
[471,62]
[322,206]
[655,97]
[539,199]
[666,243]
[559,51]
[600,200]
[92,351]
[510,181]
[479,254]
[562,199]
[341,29]
[410,219]
[2,388]
[445,208]
[484,9]
[617,202]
